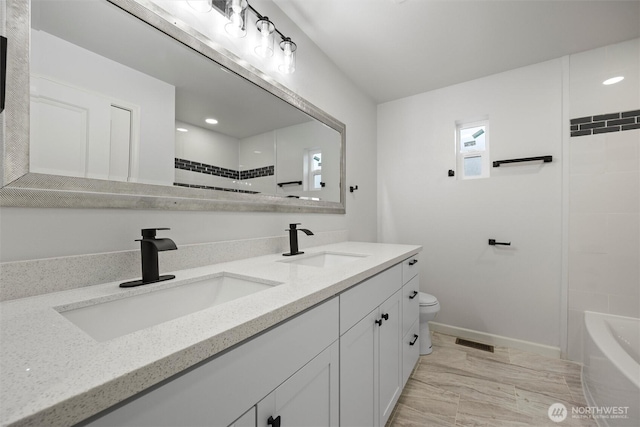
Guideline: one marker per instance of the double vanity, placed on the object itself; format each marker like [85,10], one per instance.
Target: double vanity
[328,337]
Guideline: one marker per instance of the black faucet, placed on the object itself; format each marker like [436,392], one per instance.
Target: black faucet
[293,239]
[149,248]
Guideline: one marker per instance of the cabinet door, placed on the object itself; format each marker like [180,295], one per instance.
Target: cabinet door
[219,390]
[247,420]
[358,373]
[410,352]
[410,303]
[410,268]
[308,398]
[390,354]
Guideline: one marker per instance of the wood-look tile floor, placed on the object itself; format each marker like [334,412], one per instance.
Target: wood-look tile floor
[461,386]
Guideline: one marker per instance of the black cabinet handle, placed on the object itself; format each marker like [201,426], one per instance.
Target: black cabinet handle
[415,338]
[415,294]
[385,316]
[275,422]
[379,322]
[413,262]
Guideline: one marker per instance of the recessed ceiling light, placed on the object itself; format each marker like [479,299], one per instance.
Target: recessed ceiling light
[613,80]
[182,130]
[257,152]
[212,121]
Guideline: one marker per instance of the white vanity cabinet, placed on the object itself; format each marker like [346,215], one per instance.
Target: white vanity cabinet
[290,370]
[410,316]
[370,349]
[308,398]
[246,420]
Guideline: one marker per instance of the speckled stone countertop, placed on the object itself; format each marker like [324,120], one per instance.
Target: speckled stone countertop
[52,373]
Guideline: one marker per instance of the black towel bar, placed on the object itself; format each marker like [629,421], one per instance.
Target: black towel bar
[545,159]
[492,242]
[280,184]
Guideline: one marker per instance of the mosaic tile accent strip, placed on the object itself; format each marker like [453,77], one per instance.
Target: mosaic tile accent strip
[257,173]
[207,187]
[192,166]
[605,123]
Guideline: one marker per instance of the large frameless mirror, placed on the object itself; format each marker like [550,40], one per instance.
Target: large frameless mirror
[130,108]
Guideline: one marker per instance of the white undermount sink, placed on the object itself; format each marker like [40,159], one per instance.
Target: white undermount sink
[324,259]
[111,319]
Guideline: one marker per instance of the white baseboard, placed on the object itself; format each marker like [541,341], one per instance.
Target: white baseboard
[491,339]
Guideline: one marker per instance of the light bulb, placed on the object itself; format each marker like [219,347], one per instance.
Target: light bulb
[613,80]
[264,47]
[288,65]
[236,13]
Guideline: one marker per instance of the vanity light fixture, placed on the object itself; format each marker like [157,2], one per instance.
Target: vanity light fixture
[212,121]
[289,48]
[613,80]
[265,37]
[236,12]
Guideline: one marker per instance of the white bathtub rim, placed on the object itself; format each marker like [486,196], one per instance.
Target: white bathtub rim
[610,347]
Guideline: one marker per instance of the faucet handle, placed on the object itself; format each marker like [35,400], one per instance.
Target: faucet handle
[150,233]
[293,226]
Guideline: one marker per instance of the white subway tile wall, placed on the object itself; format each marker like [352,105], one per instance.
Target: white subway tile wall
[604,188]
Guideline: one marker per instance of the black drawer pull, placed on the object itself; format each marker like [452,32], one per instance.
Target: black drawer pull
[379,322]
[415,338]
[413,262]
[275,422]
[385,316]
[415,294]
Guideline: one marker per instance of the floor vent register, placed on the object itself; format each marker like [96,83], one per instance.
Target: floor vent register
[476,345]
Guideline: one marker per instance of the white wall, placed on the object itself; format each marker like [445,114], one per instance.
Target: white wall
[604,191]
[291,144]
[41,233]
[68,63]
[509,291]
[256,152]
[206,146]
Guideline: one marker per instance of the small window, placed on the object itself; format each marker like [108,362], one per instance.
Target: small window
[472,148]
[313,169]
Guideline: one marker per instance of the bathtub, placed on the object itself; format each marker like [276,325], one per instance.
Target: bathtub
[611,370]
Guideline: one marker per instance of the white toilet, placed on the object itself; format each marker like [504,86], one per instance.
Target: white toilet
[429,307]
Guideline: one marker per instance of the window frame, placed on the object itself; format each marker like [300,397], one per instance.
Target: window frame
[483,154]
[309,172]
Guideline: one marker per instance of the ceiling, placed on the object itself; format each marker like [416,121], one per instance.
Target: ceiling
[396,48]
[206,90]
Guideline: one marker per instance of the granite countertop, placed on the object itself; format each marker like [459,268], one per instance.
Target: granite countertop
[53,373]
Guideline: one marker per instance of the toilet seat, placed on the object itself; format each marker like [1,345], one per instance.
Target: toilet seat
[427,300]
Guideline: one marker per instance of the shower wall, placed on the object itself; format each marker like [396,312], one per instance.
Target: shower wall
[604,186]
